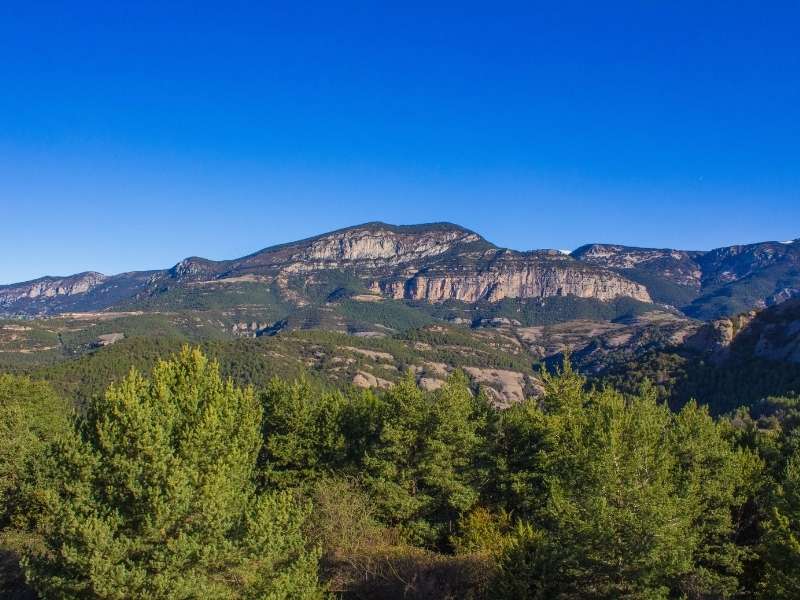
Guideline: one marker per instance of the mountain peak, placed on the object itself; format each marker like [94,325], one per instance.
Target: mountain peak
[381,227]
[435,262]
[388,243]
[193,267]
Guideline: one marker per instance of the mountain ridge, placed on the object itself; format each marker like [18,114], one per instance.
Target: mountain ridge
[431,262]
[442,262]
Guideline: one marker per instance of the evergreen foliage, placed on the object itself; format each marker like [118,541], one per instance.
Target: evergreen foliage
[31,416]
[620,498]
[781,577]
[184,485]
[154,497]
[303,434]
[421,468]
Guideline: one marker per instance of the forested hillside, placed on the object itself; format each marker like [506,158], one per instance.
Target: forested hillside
[176,482]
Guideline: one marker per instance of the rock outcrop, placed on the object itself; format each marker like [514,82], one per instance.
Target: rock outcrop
[504,387]
[107,339]
[520,280]
[384,246]
[83,292]
[677,266]
[364,247]
[49,287]
[716,337]
[431,263]
[771,334]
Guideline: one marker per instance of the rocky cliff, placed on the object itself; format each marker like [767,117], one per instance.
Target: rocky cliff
[512,276]
[47,290]
[82,292]
[772,334]
[711,284]
[384,246]
[437,263]
[48,287]
[432,263]
[677,266]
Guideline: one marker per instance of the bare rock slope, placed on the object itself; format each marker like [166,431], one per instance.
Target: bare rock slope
[431,263]
[435,263]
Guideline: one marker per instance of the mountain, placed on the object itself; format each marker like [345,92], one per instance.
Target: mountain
[362,305]
[706,285]
[771,334]
[376,276]
[428,263]
[749,359]
[87,291]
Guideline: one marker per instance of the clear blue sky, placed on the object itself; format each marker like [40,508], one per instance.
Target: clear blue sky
[133,134]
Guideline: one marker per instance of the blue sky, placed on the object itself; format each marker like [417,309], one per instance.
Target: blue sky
[135,134]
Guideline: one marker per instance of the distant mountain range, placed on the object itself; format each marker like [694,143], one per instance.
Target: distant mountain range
[364,305]
[440,269]
[711,284]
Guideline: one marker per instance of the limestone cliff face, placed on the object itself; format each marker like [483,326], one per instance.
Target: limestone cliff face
[50,287]
[372,247]
[430,263]
[446,262]
[383,246]
[707,284]
[716,337]
[528,282]
[433,263]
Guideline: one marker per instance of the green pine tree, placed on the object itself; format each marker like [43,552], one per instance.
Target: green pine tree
[781,555]
[421,469]
[31,415]
[154,497]
[621,498]
[303,436]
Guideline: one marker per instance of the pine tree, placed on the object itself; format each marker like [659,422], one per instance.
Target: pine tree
[781,553]
[154,497]
[421,468]
[303,436]
[31,415]
[715,481]
[626,499]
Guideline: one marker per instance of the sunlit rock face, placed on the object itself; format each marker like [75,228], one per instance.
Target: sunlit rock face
[435,263]
[772,333]
[677,266]
[432,263]
[49,287]
[518,280]
[386,246]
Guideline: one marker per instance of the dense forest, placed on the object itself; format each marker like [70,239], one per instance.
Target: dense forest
[178,482]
